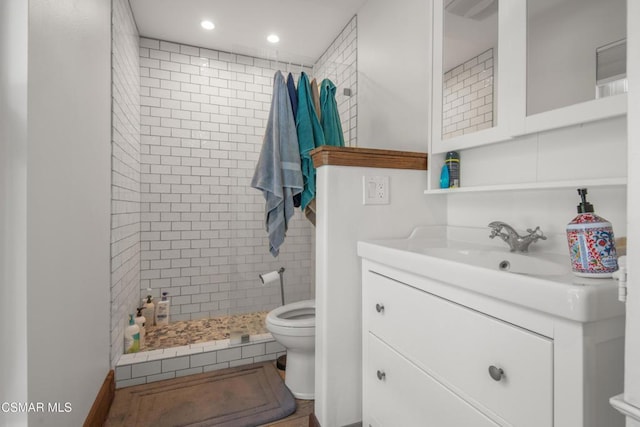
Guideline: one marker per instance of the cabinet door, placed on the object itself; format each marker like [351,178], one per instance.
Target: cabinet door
[576,62]
[397,393]
[490,363]
[473,106]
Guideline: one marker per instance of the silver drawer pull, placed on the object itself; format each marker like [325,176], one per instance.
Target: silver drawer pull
[379,308]
[496,373]
[381,375]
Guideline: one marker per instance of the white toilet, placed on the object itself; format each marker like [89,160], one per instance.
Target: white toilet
[294,326]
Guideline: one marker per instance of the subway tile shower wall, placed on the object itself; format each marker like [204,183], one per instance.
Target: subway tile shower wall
[125,174]
[339,63]
[203,116]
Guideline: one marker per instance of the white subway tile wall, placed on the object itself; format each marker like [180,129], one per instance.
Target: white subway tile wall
[146,367]
[125,174]
[188,125]
[203,238]
[339,64]
[468,96]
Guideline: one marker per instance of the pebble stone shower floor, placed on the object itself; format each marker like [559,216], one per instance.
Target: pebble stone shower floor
[195,331]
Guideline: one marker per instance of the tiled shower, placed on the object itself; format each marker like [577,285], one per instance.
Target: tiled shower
[184,219]
[203,115]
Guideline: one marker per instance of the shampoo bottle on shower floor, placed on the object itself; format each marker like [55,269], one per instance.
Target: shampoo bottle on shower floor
[162,310]
[141,321]
[131,337]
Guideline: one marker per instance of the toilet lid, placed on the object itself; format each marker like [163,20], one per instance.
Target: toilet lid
[300,314]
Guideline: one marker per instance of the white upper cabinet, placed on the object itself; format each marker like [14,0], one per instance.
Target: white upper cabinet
[507,68]
[576,62]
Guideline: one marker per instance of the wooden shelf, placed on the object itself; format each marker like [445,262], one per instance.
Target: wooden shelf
[368,157]
[551,185]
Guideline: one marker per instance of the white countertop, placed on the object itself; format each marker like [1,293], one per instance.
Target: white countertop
[564,295]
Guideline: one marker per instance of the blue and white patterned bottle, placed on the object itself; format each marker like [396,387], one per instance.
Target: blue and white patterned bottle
[591,242]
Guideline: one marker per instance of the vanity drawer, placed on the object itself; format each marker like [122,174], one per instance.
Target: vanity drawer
[397,393]
[457,346]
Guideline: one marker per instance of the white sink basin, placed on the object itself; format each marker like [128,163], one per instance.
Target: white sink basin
[502,261]
[539,281]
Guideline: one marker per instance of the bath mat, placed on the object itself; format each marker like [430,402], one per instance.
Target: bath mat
[249,395]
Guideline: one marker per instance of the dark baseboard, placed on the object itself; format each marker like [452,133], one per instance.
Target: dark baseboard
[313,421]
[100,408]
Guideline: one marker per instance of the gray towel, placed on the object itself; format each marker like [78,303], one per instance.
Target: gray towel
[278,174]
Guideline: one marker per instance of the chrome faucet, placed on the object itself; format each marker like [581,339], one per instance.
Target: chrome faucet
[516,242]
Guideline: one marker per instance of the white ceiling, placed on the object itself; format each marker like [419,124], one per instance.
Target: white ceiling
[306,27]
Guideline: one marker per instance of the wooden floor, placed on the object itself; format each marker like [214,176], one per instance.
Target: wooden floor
[300,418]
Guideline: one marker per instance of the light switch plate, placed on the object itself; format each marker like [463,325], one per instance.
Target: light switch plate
[375,190]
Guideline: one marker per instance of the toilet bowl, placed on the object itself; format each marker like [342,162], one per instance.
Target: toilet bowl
[294,326]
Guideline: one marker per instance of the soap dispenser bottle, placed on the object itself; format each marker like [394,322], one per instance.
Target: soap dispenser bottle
[131,337]
[149,311]
[591,242]
[141,322]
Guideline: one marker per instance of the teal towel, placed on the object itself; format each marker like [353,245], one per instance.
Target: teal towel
[277,173]
[310,136]
[330,117]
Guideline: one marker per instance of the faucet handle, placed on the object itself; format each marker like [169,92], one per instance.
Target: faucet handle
[537,233]
[496,227]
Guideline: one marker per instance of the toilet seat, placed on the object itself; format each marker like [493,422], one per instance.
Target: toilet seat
[301,314]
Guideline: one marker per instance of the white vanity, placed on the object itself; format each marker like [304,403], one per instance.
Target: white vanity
[467,334]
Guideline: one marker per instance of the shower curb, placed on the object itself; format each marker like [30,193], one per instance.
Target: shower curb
[157,365]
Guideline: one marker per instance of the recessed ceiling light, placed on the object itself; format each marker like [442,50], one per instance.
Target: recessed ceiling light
[207,25]
[272,38]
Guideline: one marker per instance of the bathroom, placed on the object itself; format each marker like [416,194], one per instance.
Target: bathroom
[66,252]
[185,219]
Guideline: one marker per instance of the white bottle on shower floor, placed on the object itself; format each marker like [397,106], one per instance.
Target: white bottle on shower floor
[162,310]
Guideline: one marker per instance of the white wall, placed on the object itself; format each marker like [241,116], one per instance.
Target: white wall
[68,193]
[576,153]
[552,210]
[13,189]
[342,220]
[632,351]
[394,74]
